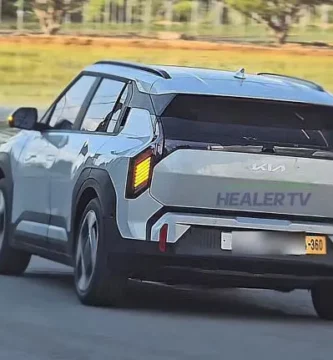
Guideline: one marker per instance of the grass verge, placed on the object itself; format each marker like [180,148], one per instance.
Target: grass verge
[34,73]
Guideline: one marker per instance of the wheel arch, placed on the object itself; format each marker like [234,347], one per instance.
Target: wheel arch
[7,176]
[5,168]
[2,173]
[92,183]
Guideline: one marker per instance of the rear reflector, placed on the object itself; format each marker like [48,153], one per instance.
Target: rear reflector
[162,241]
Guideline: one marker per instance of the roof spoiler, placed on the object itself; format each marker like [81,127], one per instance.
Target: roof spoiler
[150,69]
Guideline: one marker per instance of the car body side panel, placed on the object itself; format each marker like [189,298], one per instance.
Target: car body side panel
[76,151]
[30,162]
[131,214]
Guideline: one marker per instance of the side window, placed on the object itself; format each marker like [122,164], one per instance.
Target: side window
[68,107]
[102,105]
[117,111]
[44,117]
[138,123]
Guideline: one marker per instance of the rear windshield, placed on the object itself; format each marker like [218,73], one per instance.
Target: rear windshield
[227,121]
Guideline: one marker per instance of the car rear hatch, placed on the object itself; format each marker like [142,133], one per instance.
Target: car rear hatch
[246,156]
[245,182]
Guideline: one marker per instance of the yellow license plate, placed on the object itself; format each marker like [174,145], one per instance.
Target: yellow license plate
[315,245]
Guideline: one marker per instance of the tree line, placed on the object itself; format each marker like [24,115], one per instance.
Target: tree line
[277,15]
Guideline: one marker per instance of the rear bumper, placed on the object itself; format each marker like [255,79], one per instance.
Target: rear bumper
[212,235]
[195,255]
[180,223]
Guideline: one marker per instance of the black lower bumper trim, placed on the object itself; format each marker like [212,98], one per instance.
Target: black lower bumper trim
[224,278]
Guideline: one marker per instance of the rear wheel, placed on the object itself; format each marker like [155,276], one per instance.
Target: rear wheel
[95,283]
[322,299]
[12,261]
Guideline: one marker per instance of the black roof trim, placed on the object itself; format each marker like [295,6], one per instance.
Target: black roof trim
[311,84]
[147,68]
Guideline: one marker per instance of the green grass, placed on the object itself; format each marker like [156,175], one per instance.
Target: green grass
[34,74]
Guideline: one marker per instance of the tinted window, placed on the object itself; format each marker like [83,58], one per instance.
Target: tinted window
[69,105]
[102,105]
[117,111]
[226,121]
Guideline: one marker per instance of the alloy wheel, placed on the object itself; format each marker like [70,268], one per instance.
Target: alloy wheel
[86,252]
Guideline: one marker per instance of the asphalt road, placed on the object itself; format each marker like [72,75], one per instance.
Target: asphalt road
[41,319]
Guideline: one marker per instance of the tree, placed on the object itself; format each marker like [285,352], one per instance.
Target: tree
[108,7]
[277,15]
[51,13]
[8,9]
[183,9]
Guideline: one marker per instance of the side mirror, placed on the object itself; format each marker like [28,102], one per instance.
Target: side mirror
[23,118]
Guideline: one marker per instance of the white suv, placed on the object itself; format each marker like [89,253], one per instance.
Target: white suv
[177,175]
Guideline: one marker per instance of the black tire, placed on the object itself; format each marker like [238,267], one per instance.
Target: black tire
[12,261]
[322,299]
[105,287]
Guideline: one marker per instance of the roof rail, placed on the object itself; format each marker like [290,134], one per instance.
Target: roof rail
[311,84]
[147,68]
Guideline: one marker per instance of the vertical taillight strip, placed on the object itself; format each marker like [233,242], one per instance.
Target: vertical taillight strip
[140,173]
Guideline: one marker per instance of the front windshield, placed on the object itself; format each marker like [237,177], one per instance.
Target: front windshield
[228,121]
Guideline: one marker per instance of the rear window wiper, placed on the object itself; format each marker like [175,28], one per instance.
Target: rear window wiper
[237,148]
[244,148]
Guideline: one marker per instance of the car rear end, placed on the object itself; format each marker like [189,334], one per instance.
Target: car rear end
[246,192]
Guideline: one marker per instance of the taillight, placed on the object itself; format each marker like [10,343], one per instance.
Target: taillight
[140,172]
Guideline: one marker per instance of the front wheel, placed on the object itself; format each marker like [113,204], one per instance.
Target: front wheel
[95,283]
[12,261]
[322,299]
